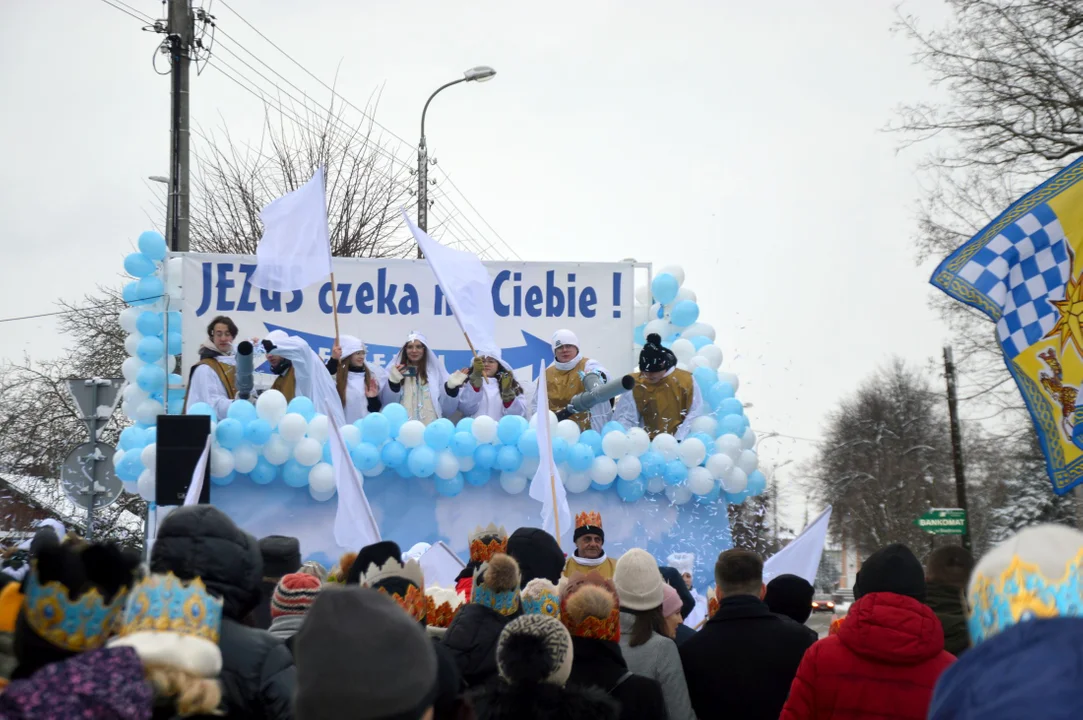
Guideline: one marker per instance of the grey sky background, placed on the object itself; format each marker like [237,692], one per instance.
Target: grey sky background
[741,140]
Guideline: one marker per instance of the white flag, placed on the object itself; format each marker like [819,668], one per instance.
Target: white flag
[440,566]
[195,488]
[355,525]
[295,250]
[465,283]
[547,486]
[802,556]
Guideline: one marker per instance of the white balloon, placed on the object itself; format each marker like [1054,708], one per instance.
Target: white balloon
[447,465]
[277,450]
[351,435]
[604,470]
[292,427]
[128,409]
[748,461]
[174,276]
[698,361]
[149,455]
[171,365]
[735,481]
[271,406]
[135,394]
[128,317]
[719,465]
[483,429]
[373,471]
[700,481]
[748,440]
[692,451]
[657,327]
[678,494]
[130,368]
[675,270]
[308,451]
[706,424]
[657,312]
[145,485]
[147,412]
[412,432]
[656,485]
[665,444]
[684,349]
[729,444]
[730,378]
[685,294]
[577,482]
[643,294]
[324,496]
[318,429]
[640,314]
[569,431]
[712,354]
[221,462]
[639,441]
[117,457]
[130,487]
[629,467]
[466,464]
[697,329]
[131,343]
[615,445]
[513,483]
[684,366]
[534,423]
[321,477]
[245,458]
[529,466]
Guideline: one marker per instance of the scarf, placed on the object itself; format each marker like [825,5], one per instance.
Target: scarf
[566,366]
[589,562]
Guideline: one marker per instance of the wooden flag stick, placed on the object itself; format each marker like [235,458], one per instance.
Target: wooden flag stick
[470,344]
[553,489]
[334,306]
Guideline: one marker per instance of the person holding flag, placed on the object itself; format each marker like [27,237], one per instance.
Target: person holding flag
[564,380]
[359,384]
[496,392]
[665,398]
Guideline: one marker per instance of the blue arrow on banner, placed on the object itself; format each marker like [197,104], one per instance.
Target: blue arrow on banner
[533,350]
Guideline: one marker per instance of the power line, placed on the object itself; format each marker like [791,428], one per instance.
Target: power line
[73,311]
[130,12]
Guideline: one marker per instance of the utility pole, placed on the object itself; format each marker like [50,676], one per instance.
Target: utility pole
[956,443]
[180,30]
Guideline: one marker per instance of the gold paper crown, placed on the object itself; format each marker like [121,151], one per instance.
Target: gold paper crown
[712,601]
[165,603]
[441,606]
[490,530]
[413,602]
[77,625]
[481,551]
[588,519]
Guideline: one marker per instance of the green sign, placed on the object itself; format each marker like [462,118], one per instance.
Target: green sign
[943,521]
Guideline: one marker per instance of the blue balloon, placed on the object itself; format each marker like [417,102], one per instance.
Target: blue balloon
[173,343]
[466,424]
[295,474]
[478,476]
[508,458]
[176,401]
[230,432]
[601,488]
[264,472]
[463,443]
[225,479]
[580,456]
[528,443]
[450,488]
[664,288]
[637,335]
[630,490]
[172,321]
[150,349]
[131,295]
[707,440]
[302,406]
[202,408]
[375,428]
[611,426]
[325,454]
[139,265]
[668,342]
[365,456]
[653,464]
[560,450]
[151,379]
[149,289]
[422,461]
[175,381]
[396,415]
[243,412]
[508,429]
[149,323]
[485,456]
[706,378]
[593,440]
[130,466]
[438,433]
[257,431]
[393,454]
[711,497]
[730,406]
[132,437]
[757,483]
[733,424]
[719,393]
[150,435]
[737,498]
[676,472]
[152,244]
[699,341]
[684,313]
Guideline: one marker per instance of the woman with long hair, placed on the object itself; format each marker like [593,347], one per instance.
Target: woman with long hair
[418,380]
[359,384]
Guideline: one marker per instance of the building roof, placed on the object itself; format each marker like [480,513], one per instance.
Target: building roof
[46,494]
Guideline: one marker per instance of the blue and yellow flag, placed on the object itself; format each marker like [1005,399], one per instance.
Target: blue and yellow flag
[1020,271]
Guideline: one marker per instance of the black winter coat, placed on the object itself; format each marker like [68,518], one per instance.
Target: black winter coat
[743,661]
[500,701]
[600,664]
[257,670]
[472,638]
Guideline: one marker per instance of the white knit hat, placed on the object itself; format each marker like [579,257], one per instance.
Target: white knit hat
[564,337]
[639,581]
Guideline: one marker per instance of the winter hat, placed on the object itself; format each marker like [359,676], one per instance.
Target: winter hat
[338,573]
[589,607]
[791,596]
[441,607]
[486,542]
[173,623]
[891,569]
[654,357]
[358,651]
[671,601]
[496,585]
[564,337]
[294,594]
[281,556]
[639,583]
[534,649]
[375,554]
[416,551]
[313,568]
[540,597]
[538,554]
[405,584]
[588,523]
[1033,574]
[673,578]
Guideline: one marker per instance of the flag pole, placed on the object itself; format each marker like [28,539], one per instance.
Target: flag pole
[553,489]
[334,307]
[552,476]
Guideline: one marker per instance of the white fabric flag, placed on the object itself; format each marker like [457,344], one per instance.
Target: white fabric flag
[199,474]
[465,283]
[295,250]
[441,566]
[547,486]
[355,525]
[802,556]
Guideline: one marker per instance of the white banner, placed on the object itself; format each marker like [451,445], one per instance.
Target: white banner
[381,301]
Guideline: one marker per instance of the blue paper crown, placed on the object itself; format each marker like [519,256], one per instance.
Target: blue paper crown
[164,603]
[78,625]
[546,603]
[505,602]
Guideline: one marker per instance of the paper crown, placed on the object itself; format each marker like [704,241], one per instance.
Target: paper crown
[411,572]
[712,601]
[541,597]
[165,603]
[410,593]
[505,602]
[482,551]
[441,606]
[78,625]
[588,519]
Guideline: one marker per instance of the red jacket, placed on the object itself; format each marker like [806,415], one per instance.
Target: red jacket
[883,663]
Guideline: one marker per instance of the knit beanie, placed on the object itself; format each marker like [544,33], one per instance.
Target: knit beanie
[671,601]
[294,594]
[891,569]
[673,578]
[589,607]
[281,555]
[496,585]
[534,649]
[654,357]
[791,596]
[1033,574]
[540,597]
[639,583]
[538,554]
[358,653]
[315,569]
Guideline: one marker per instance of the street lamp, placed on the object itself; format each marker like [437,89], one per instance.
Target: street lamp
[481,73]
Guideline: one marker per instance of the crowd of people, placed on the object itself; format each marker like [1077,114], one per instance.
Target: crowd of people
[218,623]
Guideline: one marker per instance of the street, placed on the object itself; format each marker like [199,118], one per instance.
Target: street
[820,622]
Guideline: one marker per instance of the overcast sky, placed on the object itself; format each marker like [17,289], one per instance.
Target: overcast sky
[743,140]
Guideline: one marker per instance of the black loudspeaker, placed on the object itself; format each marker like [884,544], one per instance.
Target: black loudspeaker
[181,440]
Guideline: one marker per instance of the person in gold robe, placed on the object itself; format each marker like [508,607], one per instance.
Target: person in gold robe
[665,398]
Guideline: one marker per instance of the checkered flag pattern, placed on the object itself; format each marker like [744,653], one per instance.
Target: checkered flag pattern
[1022,269]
